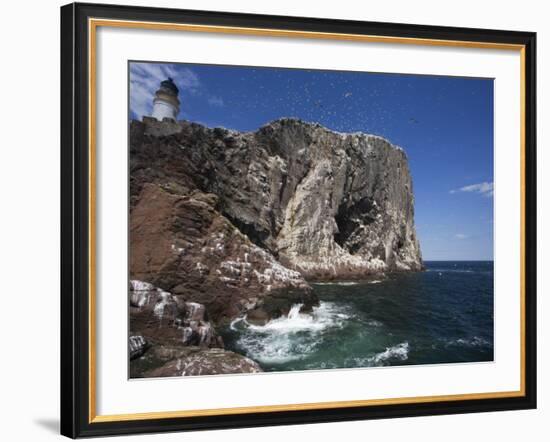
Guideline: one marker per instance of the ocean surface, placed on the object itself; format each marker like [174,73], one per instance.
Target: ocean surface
[441,315]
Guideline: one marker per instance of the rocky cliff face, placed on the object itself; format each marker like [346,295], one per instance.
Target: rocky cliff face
[325,204]
[237,222]
[173,337]
[182,244]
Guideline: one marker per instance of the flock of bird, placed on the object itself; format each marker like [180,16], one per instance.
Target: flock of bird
[342,101]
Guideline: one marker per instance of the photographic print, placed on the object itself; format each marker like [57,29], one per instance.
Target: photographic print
[262,205]
[294,219]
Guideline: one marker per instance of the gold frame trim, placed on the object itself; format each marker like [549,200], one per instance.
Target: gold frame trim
[93,24]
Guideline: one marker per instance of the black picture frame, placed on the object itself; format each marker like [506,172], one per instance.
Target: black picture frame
[75,221]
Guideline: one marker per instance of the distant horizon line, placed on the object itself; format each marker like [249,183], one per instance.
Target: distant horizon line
[460,260]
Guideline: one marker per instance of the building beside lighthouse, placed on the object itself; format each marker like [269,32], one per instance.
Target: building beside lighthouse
[166,103]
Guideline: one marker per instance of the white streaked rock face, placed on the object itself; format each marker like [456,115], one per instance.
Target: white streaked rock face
[157,316]
[239,222]
[351,210]
[193,361]
[225,224]
[136,346]
[352,213]
[325,204]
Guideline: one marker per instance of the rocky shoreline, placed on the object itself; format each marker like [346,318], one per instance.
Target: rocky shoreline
[226,224]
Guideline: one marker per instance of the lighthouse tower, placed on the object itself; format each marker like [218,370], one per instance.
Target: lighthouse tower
[166,103]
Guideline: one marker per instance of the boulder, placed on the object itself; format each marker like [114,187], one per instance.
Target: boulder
[137,345]
[160,318]
[167,361]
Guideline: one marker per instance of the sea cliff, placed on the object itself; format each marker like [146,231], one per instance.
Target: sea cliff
[239,222]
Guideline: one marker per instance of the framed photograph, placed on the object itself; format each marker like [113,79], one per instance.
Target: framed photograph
[279,220]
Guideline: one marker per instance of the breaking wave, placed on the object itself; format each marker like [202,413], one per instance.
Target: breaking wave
[403,319]
[476,341]
[290,337]
[399,352]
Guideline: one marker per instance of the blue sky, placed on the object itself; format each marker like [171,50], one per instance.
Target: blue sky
[444,124]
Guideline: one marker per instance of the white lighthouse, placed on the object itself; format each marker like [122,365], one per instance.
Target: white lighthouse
[166,103]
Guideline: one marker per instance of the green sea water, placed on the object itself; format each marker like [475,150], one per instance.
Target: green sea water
[441,315]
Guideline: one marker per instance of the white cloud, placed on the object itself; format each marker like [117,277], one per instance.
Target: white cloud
[216,101]
[145,79]
[461,236]
[485,189]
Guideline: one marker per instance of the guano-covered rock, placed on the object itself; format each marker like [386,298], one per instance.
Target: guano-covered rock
[226,224]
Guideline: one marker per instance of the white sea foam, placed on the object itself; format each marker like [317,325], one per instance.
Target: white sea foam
[233,325]
[322,317]
[290,337]
[399,352]
[341,283]
[275,348]
[476,341]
